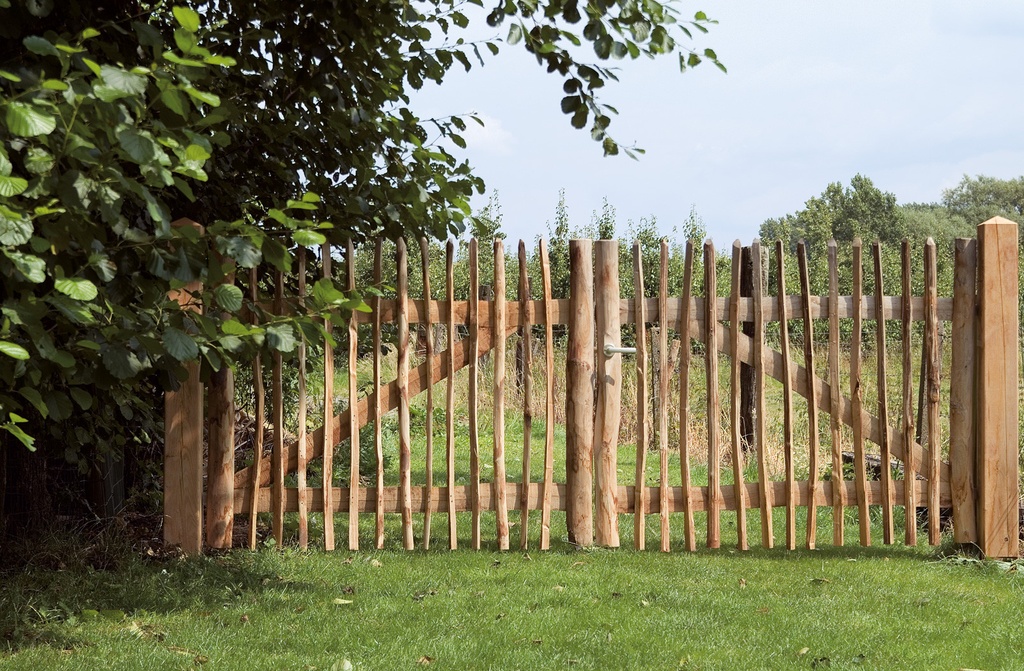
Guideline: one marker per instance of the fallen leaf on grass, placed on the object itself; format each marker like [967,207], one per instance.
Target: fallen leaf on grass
[342,602]
[343,665]
[802,652]
[424,660]
[244,619]
[347,562]
[200,659]
[375,564]
[558,588]
[645,603]
[820,581]
[537,641]
[527,557]
[764,610]
[743,583]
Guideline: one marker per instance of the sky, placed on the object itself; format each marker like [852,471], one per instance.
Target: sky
[911,94]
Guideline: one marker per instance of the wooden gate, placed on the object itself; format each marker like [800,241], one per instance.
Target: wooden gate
[977,479]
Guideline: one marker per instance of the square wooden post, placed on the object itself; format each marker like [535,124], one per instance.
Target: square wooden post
[183,444]
[996,409]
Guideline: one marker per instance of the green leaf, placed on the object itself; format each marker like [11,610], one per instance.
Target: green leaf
[175,101]
[301,205]
[308,238]
[59,405]
[122,80]
[310,197]
[235,328]
[40,46]
[242,250]
[186,18]
[32,267]
[12,186]
[121,362]
[194,152]
[13,350]
[515,34]
[10,76]
[180,345]
[33,396]
[325,293]
[27,121]
[82,398]
[78,288]
[226,61]
[172,57]
[203,96]
[14,231]
[89,33]
[5,163]
[281,337]
[140,147]
[16,431]
[229,297]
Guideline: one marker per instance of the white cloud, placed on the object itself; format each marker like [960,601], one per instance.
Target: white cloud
[491,138]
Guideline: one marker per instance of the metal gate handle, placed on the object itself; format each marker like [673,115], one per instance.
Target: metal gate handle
[611,350]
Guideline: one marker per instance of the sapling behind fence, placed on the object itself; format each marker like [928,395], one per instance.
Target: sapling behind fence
[968,463]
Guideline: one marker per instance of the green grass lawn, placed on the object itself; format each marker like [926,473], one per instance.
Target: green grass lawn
[845,608]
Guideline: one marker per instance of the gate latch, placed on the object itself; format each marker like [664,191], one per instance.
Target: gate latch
[611,350]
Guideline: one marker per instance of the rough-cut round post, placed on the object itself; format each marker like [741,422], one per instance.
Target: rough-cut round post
[549,400]
[931,329]
[526,327]
[278,458]
[907,425]
[183,443]
[609,391]
[327,447]
[857,395]
[640,505]
[428,327]
[686,320]
[353,394]
[220,471]
[300,446]
[404,428]
[838,493]
[715,499]
[767,491]
[260,419]
[498,320]
[740,491]
[663,379]
[378,438]
[449,432]
[962,446]
[998,412]
[888,493]
[787,395]
[473,322]
[579,395]
[814,444]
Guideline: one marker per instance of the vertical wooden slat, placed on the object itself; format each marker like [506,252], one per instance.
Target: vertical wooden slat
[888,487]
[549,400]
[686,318]
[260,419]
[998,411]
[813,442]
[526,327]
[787,395]
[473,323]
[931,327]
[449,432]
[327,447]
[579,395]
[857,395]
[962,446]
[765,489]
[183,444]
[404,428]
[907,425]
[499,319]
[378,437]
[300,447]
[640,505]
[278,457]
[838,494]
[663,380]
[428,492]
[715,499]
[736,392]
[220,461]
[609,392]
[353,393]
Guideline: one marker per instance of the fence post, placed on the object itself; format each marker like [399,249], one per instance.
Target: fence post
[220,485]
[183,444]
[962,445]
[996,399]
[609,393]
[579,395]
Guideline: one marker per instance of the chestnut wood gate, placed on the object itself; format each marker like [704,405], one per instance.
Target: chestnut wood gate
[977,478]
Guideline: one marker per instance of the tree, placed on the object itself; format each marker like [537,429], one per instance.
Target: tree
[976,199]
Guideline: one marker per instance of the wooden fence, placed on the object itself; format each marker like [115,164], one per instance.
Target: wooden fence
[978,480]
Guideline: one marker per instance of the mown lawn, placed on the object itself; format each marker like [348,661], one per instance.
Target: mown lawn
[846,608]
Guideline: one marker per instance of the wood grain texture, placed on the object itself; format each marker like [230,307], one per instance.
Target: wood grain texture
[526,329]
[813,439]
[787,396]
[498,394]
[963,456]
[760,418]
[279,457]
[449,430]
[300,420]
[327,400]
[881,368]
[998,465]
[473,323]
[404,426]
[378,411]
[714,504]
[428,427]
[910,462]
[835,422]
[860,473]
[735,392]
[548,485]
[642,382]
[932,389]
[260,419]
[579,396]
[608,412]
[663,384]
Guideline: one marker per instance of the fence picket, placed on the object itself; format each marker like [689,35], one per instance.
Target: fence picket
[885,449]
[549,399]
[734,406]
[378,437]
[473,323]
[449,432]
[857,395]
[787,396]
[931,321]
[327,448]
[686,322]
[526,327]
[963,456]
[760,421]
[642,368]
[278,457]
[259,420]
[909,463]
[499,483]
[404,427]
[714,506]
[428,505]
[301,458]
[838,499]
[663,380]
[813,443]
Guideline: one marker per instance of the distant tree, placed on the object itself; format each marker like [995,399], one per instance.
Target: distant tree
[976,199]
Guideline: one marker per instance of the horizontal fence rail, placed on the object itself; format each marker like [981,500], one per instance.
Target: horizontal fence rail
[930,446]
